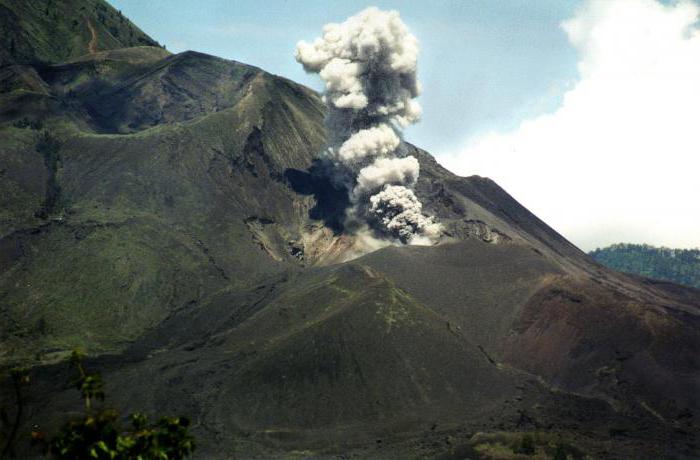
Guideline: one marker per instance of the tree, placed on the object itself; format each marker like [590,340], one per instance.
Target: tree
[677,265]
[97,435]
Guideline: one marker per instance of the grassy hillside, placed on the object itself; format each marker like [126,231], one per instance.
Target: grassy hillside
[109,234]
[51,31]
[680,266]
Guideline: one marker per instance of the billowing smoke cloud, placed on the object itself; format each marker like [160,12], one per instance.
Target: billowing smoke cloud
[400,212]
[368,64]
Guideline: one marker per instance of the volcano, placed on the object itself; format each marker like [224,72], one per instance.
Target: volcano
[168,214]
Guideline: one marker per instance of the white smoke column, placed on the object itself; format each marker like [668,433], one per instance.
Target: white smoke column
[368,64]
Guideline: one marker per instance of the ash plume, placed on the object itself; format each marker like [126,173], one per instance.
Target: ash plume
[368,65]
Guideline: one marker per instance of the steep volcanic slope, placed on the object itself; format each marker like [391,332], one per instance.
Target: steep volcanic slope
[51,31]
[119,230]
[581,333]
[166,213]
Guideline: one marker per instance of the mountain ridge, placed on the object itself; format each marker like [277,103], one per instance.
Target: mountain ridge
[48,31]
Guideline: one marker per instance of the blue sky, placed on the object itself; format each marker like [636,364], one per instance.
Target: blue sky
[483,63]
[584,110]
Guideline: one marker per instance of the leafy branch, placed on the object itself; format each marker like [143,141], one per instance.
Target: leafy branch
[98,435]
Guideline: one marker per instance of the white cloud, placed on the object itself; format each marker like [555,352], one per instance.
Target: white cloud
[619,159]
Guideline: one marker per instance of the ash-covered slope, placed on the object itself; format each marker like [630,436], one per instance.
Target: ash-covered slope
[110,233]
[167,214]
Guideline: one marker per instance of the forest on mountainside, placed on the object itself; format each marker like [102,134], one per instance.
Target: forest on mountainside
[677,265]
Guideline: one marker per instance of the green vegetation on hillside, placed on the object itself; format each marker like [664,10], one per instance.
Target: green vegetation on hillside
[107,235]
[98,433]
[678,265]
[50,31]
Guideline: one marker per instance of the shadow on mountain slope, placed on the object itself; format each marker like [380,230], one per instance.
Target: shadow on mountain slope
[331,200]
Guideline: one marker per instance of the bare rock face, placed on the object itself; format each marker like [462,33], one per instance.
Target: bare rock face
[170,215]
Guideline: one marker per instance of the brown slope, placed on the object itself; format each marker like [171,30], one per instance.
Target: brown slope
[578,333]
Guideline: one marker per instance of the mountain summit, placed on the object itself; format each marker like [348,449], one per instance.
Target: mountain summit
[169,215]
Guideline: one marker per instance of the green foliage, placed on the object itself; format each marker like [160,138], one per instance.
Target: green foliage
[60,30]
[89,385]
[97,435]
[677,265]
